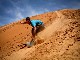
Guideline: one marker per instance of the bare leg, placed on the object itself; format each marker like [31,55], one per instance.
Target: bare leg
[33,33]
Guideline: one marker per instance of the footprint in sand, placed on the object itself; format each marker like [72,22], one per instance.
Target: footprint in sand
[14,40]
[13,50]
[26,27]
[3,30]
[15,36]
[0,48]
[19,34]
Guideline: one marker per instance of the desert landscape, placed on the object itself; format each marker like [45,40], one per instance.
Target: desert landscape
[60,40]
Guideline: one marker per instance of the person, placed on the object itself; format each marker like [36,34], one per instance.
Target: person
[36,24]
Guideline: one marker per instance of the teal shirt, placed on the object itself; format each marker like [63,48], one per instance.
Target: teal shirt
[35,23]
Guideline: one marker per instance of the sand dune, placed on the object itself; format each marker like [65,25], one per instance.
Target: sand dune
[60,40]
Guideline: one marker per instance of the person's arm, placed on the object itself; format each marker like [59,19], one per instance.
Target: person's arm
[22,22]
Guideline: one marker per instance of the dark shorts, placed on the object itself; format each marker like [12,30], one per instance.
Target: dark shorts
[38,29]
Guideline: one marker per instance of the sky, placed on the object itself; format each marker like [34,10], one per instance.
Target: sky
[14,10]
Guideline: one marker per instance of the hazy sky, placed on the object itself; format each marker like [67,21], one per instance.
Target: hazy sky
[13,10]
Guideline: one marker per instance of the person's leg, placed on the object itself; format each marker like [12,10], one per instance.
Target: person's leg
[33,33]
[32,42]
[33,36]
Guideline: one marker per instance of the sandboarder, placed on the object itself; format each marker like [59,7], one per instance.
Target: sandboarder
[36,24]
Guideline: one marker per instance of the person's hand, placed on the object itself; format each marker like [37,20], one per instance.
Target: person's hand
[22,22]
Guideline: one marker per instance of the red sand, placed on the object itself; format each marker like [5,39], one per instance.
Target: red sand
[60,40]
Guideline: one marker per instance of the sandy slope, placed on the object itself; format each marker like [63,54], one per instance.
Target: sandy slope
[60,40]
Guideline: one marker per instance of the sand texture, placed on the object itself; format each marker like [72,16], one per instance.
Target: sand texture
[60,40]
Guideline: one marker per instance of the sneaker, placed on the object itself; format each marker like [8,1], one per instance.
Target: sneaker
[30,44]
